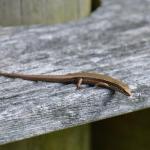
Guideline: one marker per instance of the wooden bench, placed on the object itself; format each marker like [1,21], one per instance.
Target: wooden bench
[114,40]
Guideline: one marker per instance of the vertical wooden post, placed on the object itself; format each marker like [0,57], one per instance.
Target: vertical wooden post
[77,138]
[27,12]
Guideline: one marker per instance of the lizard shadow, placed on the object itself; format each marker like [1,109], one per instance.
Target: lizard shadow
[108,98]
[105,100]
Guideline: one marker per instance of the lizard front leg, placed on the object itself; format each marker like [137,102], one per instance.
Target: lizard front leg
[79,82]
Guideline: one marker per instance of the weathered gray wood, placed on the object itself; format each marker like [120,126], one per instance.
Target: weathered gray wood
[114,40]
[28,12]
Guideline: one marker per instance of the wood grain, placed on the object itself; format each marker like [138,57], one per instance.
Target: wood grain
[115,40]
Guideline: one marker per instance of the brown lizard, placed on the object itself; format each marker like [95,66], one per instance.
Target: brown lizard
[77,78]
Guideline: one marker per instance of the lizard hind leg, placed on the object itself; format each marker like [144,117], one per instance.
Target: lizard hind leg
[79,82]
[102,84]
[105,85]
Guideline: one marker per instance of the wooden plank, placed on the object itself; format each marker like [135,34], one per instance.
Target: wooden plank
[84,6]
[71,10]
[27,12]
[110,41]
[10,12]
[44,11]
[77,138]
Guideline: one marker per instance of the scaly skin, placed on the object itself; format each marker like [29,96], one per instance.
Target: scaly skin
[77,78]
